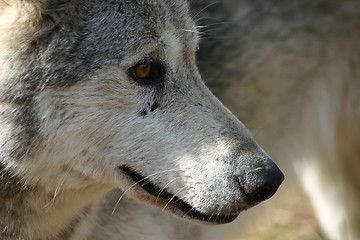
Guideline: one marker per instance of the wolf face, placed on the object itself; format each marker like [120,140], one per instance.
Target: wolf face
[115,99]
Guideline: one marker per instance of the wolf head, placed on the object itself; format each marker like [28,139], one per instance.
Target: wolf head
[108,93]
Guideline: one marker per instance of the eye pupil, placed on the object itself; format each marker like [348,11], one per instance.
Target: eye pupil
[143,70]
[149,73]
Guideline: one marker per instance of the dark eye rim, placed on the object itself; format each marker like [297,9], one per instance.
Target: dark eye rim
[156,76]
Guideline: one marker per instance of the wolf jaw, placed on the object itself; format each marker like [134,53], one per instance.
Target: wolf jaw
[156,196]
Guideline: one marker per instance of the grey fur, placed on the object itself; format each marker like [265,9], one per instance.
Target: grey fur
[72,120]
[290,70]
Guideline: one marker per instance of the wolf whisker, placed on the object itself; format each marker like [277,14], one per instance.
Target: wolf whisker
[174,195]
[163,189]
[136,183]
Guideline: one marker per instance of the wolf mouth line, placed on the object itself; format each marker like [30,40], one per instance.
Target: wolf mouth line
[171,199]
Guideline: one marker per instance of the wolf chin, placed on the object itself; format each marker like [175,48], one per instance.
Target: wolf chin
[101,95]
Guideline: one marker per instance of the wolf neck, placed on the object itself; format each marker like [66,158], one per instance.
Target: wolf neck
[30,212]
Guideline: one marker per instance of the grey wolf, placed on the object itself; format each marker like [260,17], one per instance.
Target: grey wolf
[290,70]
[99,95]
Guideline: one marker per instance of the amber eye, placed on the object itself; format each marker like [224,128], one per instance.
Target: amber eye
[142,70]
[148,73]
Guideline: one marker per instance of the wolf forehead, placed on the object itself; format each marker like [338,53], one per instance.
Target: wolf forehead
[106,33]
[73,38]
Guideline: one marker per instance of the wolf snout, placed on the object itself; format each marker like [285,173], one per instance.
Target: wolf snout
[261,183]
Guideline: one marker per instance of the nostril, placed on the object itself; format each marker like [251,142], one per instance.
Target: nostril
[261,183]
[261,193]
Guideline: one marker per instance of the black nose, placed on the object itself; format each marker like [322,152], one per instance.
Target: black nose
[261,183]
